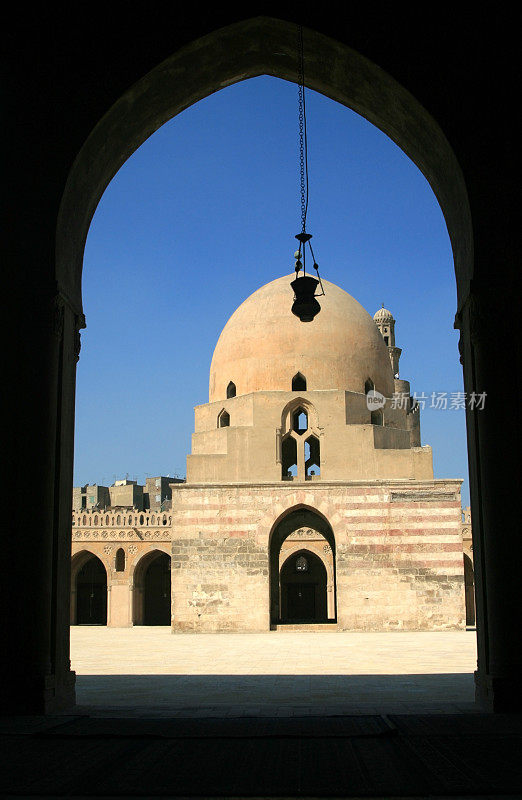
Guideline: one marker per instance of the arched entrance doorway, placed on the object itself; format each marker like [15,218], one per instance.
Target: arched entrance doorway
[152,590]
[303,586]
[302,570]
[88,590]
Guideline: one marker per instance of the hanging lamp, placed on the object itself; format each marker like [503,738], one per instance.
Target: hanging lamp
[305,305]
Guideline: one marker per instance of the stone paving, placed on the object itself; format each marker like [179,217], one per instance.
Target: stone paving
[143,670]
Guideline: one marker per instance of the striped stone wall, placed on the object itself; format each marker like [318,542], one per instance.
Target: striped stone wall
[398,553]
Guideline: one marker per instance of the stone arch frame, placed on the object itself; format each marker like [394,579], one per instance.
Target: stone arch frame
[277,534]
[240,51]
[290,409]
[78,560]
[137,569]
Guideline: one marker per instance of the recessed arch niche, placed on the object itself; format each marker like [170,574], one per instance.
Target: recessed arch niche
[302,533]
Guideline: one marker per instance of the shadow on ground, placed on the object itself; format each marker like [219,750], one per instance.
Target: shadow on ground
[392,756]
[266,694]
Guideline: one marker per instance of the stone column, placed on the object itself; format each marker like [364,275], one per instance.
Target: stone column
[39,449]
[486,344]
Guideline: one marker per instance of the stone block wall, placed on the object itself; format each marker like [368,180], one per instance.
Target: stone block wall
[398,553]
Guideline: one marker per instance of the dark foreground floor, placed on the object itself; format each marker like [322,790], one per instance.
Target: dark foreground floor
[388,756]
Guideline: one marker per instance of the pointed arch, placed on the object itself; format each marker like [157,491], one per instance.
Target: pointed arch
[223,420]
[231,390]
[88,589]
[152,594]
[282,548]
[299,382]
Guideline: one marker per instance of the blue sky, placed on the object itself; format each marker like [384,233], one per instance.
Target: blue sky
[205,212]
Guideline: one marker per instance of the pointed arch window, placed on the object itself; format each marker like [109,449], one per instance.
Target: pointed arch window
[231,390]
[301,564]
[289,459]
[223,419]
[300,420]
[299,383]
[312,458]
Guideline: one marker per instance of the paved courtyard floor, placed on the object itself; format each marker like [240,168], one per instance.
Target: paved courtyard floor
[146,670]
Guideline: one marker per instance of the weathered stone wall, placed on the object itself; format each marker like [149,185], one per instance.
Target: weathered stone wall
[398,553]
[219,583]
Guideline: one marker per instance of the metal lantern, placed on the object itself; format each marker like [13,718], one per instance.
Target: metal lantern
[305,305]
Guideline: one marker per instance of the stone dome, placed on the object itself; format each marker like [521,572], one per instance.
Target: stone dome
[383,315]
[263,345]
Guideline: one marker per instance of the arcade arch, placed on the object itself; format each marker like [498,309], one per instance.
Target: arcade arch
[88,590]
[152,589]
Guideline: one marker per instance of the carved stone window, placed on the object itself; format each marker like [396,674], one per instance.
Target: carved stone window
[301,564]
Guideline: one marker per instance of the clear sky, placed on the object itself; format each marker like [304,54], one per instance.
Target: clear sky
[205,212]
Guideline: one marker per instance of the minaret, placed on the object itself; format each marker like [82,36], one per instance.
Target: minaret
[386,324]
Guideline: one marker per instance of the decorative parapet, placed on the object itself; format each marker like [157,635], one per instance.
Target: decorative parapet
[126,518]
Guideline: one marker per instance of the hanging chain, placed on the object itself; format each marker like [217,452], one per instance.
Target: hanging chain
[303,154]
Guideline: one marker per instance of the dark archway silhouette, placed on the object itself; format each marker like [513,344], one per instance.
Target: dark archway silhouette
[112,123]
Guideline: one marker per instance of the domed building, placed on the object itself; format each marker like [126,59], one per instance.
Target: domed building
[309,500]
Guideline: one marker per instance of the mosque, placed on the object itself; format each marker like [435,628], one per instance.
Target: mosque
[309,500]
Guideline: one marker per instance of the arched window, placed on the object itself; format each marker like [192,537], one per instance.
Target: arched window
[118,520]
[301,564]
[300,421]
[119,561]
[231,390]
[95,520]
[130,520]
[299,383]
[369,386]
[377,418]
[312,458]
[289,459]
[223,419]
[164,522]
[141,519]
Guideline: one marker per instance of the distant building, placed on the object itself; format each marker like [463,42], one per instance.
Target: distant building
[309,501]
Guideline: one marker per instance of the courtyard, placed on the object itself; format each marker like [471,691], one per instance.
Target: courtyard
[142,670]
